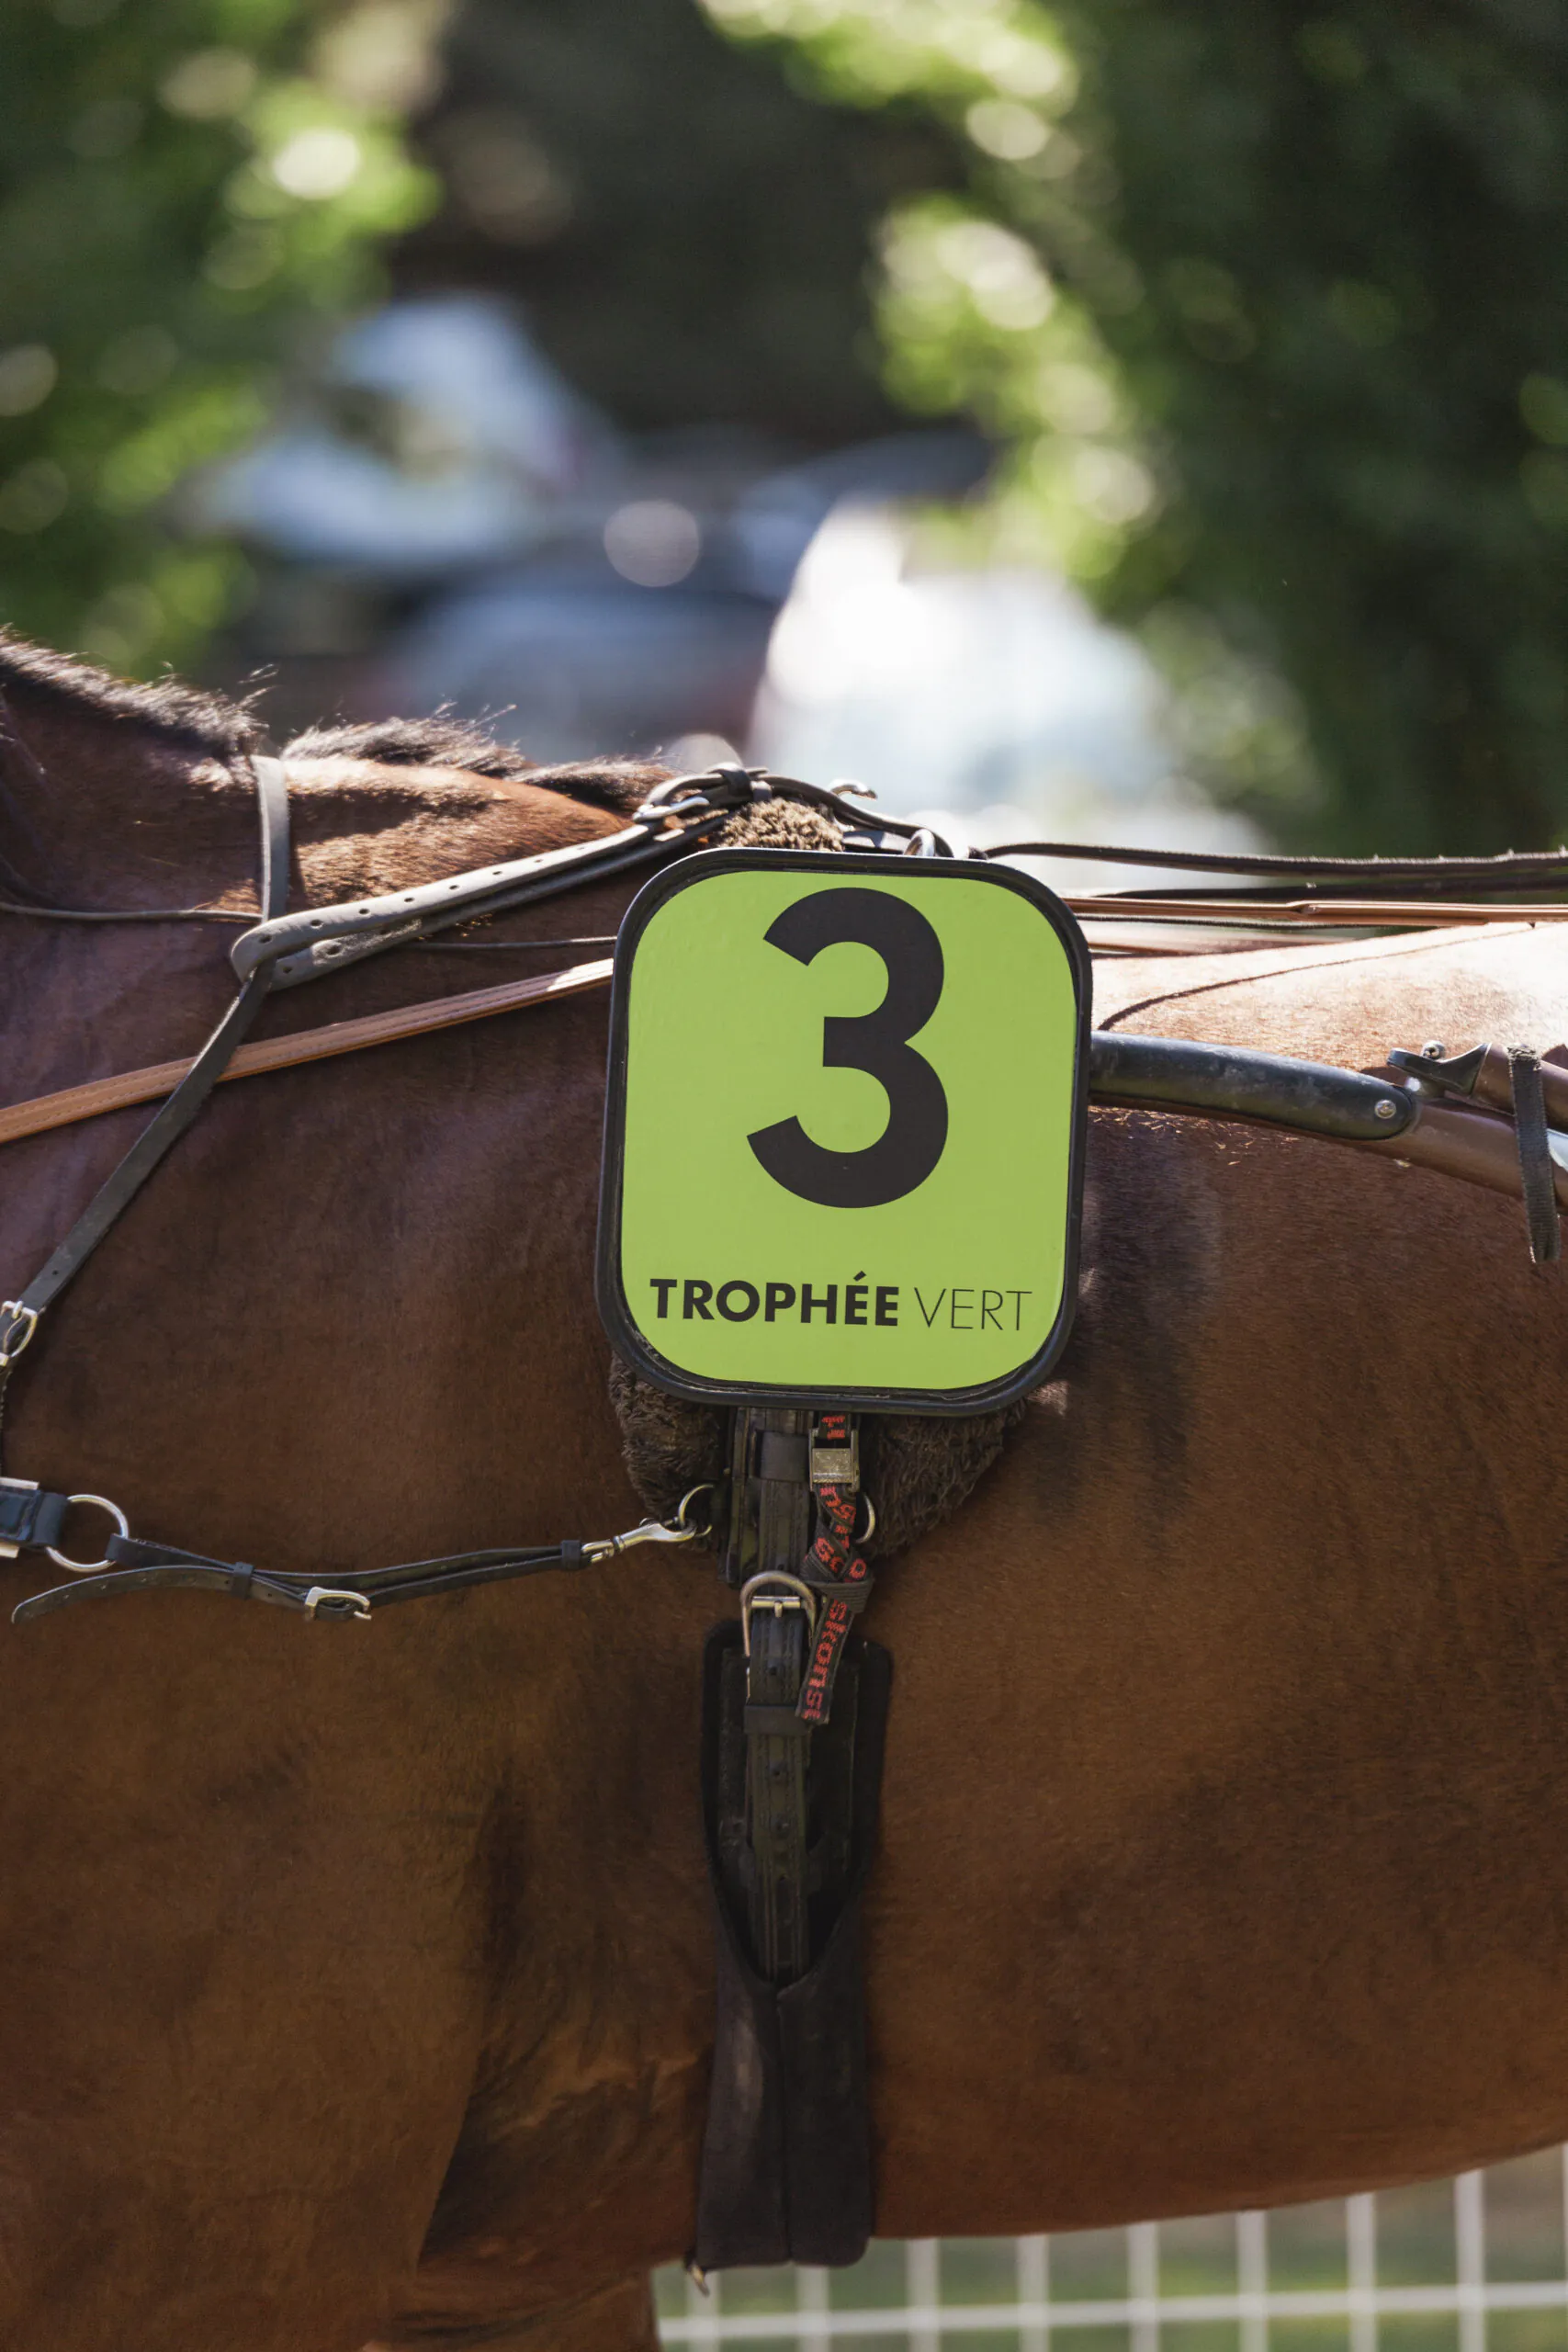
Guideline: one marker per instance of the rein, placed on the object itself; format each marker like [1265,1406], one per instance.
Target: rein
[1164,1073]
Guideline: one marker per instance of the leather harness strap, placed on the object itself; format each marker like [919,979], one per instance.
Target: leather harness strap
[100,1095]
[32,1520]
[274,952]
[777,1615]
[1536,1175]
[791,1777]
[1514,870]
[158,1138]
[1159,1073]
[272,796]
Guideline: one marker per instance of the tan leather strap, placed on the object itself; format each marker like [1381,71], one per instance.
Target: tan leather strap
[1305,914]
[101,1094]
[1468,1144]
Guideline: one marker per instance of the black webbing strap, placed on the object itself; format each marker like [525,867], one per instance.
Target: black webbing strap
[834,1568]
[164,1130]
[1537,1172]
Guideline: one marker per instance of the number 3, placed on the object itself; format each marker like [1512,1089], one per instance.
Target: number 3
[916,1134]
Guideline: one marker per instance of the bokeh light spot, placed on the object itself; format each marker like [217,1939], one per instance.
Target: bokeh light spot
[27,375]
[653,542]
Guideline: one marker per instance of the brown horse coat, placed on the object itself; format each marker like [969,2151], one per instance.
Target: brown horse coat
[355,1981]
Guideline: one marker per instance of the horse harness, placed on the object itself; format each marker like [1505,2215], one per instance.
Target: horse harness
[795,1698]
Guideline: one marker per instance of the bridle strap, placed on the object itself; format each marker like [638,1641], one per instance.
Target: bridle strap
[318,941]
[158,1138]
[272,798]
[1537,1175]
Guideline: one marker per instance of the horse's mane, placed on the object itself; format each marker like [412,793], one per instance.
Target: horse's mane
[225,726]
[443,740]
[212,722]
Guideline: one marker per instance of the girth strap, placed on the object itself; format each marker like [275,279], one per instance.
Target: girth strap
[776,1740]
[787,2164]
[776,1520]
[792,1713]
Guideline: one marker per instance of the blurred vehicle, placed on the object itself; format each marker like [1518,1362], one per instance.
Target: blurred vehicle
[445,520]
[989,695]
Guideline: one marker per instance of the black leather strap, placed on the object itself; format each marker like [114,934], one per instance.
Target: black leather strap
[777,1523]
[1536,1173]
[776,1821]
[1514,870]
[31,1518]
[152,1146]
[320,940]
[787,2166]
[163,1131]
[138,1567]
[272,796]
[792,1747]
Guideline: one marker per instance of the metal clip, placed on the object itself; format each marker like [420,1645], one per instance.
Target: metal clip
[679,1530]
[796,1595]
[19,1318]
[834,1463]
[337,1603]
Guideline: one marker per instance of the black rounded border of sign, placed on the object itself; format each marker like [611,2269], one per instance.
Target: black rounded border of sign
[614,1310]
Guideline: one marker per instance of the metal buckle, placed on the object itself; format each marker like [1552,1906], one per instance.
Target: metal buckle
[728,785]
[344,1604]
[19,1318]
[796,1595]
[834,1466]
[90,1567]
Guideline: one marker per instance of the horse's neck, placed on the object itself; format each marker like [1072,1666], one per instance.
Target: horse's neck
[97,810]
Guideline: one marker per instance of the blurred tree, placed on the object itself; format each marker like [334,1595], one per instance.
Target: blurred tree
[690,233]
[184,185]
[1272,303]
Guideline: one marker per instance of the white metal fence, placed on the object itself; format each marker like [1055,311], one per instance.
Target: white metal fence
[1479,2264]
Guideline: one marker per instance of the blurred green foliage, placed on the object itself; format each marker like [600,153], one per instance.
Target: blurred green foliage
[1272,308]
[184,185]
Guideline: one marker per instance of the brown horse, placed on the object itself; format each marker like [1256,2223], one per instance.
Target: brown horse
[356,1982]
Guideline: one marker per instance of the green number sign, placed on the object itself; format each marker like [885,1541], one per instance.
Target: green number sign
[843,1145]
